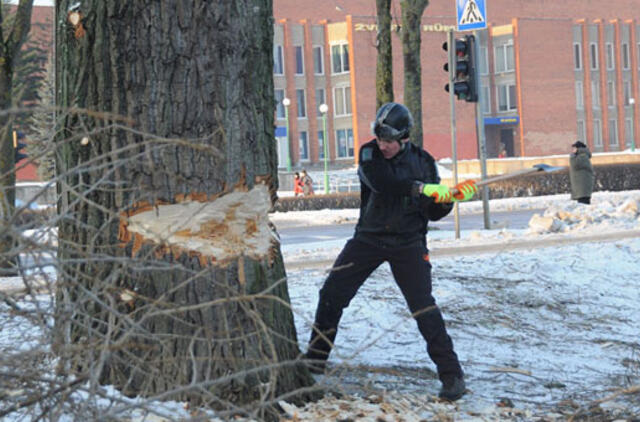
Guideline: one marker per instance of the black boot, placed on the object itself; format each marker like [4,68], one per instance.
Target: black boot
[453,387]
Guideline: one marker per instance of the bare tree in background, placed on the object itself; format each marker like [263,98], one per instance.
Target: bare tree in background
[412,11]
[384,67]
[171,280]
[11,40]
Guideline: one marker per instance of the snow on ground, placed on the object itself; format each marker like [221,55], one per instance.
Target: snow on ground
[533,327]
[541,332]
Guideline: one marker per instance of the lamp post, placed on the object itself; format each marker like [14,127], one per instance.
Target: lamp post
[632,101]
[285,103]
[325,146]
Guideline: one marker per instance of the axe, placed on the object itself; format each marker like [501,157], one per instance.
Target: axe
[534,169]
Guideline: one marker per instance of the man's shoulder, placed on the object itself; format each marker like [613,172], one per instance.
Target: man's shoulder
[422,153]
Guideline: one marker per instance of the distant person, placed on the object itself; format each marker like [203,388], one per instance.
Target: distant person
[581,173]
[297,185]
[307,183]
[503,151]
[400,192]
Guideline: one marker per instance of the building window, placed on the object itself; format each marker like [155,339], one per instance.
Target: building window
[627,92]
[504,58]
[320,99]
[484,61]
[340,58]
[279,96]
[345,143]
[613,132]
[321,145]
[318,60]
[278,64]
[597,133]
[579,95]
[610,57]
[625,56]
[628,132]
[302,104]
[611,93]
[577,56]
[593,48]
[299,60]
[304,146]
[486,100]
[342,100]
[595,94]
[507,98]
[581,131]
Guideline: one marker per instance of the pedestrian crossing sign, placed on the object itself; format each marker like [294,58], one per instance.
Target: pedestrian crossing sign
[472,14]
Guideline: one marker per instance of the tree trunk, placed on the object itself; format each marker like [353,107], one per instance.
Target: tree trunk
[10,43]
[171,280]
[412,11]
[384,68]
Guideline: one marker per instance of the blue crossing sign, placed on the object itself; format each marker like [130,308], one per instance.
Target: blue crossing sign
[471,14]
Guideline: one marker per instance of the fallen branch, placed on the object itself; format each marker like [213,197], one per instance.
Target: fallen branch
[623,391]
[511,370]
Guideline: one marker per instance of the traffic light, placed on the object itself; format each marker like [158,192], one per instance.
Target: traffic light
[465,71]
[18,146]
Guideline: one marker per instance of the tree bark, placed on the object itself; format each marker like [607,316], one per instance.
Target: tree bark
[171,102]
[412,11]
[384,67]
[10,44]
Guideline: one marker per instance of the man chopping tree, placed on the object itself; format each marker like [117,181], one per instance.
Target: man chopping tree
[400,193]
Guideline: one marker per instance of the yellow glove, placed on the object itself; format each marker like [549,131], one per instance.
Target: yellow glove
[466,190]
[440,193]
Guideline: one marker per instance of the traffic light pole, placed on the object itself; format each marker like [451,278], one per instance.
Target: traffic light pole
[452,101]
[480,134]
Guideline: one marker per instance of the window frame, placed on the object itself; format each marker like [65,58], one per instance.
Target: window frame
[577,56]
[579,95]
[299,54]
[301,106]
[278,58]
[597,134]
[341,46]
[279,105]
[346,105]
[613,125]
[594,62]
[321,58]
[346,134]
[610,56]
[306,144]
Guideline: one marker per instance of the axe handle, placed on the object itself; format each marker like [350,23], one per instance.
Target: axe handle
[500,178]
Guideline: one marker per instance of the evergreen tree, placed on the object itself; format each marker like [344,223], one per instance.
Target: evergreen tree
[42,126]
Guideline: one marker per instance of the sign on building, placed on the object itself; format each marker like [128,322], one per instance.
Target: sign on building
[472,14]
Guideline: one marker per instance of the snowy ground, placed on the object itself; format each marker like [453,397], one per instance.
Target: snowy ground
[545,320]
[534,326]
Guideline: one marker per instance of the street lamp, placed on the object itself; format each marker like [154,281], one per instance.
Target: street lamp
[285,103]
[323,109]
[632,101]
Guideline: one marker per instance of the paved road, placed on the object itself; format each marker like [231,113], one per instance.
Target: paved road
[510,219]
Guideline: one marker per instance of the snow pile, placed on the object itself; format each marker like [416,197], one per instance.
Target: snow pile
[574,217]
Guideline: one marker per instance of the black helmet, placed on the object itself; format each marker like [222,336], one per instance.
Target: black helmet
[393,122]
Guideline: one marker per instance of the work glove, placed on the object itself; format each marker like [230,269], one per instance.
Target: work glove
[466,190]
[440,193]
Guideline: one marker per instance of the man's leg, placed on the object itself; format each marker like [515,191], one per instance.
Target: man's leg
[412,271]
[352,267]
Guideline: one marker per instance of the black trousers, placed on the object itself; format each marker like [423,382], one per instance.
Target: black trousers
[412,272]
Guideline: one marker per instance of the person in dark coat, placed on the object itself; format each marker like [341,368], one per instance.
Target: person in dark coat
[400,192]
[581,173]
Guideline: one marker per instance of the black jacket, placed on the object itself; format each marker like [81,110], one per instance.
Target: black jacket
[392,211]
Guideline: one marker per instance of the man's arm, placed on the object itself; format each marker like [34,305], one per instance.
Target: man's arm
[375,172]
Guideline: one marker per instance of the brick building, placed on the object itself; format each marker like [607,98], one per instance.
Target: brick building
[551,72]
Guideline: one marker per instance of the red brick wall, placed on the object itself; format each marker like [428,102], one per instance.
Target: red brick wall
[548,115]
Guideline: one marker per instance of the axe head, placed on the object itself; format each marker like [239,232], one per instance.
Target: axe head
[547,168]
